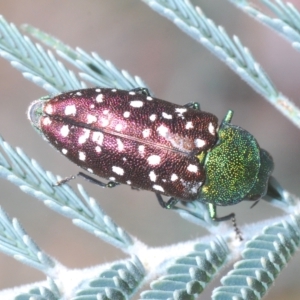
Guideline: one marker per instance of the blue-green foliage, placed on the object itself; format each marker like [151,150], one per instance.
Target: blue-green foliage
[262,260]
[184,273]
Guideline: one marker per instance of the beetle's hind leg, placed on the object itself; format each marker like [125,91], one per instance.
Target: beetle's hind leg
[89,178]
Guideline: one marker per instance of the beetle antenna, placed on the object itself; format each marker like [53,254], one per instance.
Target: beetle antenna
[254,203]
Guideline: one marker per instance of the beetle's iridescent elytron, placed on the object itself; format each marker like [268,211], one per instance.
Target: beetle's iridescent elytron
[131,138]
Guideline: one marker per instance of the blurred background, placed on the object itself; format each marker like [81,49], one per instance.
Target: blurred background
[176,68]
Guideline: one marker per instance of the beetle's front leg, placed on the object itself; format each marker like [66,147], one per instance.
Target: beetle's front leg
[213,214]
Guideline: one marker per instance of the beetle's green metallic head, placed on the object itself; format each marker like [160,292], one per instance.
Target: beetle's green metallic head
[236,167]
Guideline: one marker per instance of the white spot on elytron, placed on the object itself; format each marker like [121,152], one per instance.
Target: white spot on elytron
[99,98]
[189,125]
[92,106]
[195,187]
[118,170]
[174,177]
[70,110]
[211,129]
[142,149]
[131,93]
[158,188]
[153,160]
[98,90]
[128,182]
[82,155]
[126,114]
[164,180]
[105,112]
[199,143]
[162,130]
[152,176]
[90,170]
[91,119]
[98,149]
[64,131]
[124,158]
[153,117]
[149,98]
[166,116]
[83,138]
[47,121]
[136,103]
[112,178]
[64,151]
[104,122]
[119,127]
[120,145]
[98,137]
[192,168]
[49,109]
[146,133]
[194,190]
[180,111]
[114,90]
[78,94]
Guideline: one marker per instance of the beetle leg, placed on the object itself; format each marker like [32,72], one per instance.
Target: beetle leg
[193,105]
[169,204]
[213,214]
[135,188]
[63,181]
[89,178]
[228,117]
[141,90]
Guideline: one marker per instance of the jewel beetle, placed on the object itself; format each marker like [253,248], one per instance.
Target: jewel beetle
[130,137]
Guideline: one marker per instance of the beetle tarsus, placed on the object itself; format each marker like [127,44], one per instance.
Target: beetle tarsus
[141,90]
[193,105]
[64,180]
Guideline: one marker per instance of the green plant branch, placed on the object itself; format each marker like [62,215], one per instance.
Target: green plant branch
[93,68]
[262,260]
[190,274]
[34,62]
[286,23]
[15,242]
[32,179]
[193,22]
[185,275]
[192,264]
